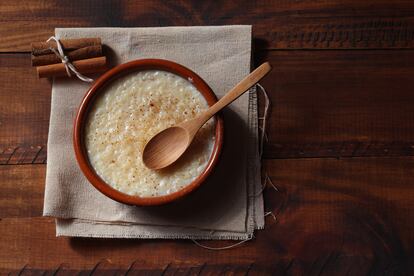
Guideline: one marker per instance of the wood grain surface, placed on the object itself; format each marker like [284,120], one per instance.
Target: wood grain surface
[352,214]
[277,25]
[339,149]
[324,104]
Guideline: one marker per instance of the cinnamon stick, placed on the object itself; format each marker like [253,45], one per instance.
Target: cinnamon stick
[42,48]
[90,65]
[82,53]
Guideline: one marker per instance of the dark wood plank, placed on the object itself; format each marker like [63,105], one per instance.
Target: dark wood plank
[23,154]
[353,214]
[285,25]
[324,104]
[24,111]
[22,190]
[363,205]
[340,103]
[177,269]
[32,242]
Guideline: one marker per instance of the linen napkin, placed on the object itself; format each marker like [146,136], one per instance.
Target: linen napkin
[228,206]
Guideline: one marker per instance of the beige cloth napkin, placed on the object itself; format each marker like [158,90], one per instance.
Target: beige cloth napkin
[228,206]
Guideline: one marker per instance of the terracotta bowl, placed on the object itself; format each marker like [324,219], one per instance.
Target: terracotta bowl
[98,87]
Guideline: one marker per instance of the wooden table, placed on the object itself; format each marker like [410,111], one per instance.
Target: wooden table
[340,140]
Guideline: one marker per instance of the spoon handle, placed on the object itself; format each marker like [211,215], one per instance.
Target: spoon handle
[239,89]
[192,126]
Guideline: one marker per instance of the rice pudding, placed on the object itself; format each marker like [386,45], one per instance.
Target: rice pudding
[127,114]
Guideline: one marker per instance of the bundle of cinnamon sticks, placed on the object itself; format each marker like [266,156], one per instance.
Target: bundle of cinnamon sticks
[84,53]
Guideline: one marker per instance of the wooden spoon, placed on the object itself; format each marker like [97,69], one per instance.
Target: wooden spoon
[168,145]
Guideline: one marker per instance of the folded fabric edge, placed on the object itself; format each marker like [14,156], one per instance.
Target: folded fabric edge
[154,237]
[73,228]
[254,166]
[160,27]
[126,223]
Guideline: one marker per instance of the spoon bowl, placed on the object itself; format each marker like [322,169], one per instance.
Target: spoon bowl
[178,141]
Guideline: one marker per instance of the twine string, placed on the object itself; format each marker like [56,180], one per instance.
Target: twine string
[220,248]
[65,60]
[263,135]
[270,214]
[269,180]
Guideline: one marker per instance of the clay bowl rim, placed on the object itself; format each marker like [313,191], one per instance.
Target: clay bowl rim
[91,94]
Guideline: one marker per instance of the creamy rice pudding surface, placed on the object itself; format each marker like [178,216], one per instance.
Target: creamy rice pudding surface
[127,114]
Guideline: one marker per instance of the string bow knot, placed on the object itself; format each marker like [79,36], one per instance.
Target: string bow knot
[65,60]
